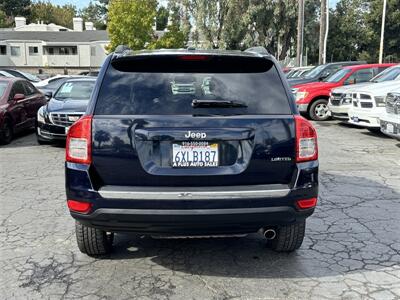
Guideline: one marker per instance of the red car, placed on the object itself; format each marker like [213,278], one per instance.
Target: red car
[312,98]
[19,103]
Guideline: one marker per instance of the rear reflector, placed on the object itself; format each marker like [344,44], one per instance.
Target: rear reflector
[79,140]
[77,206]
[307,203]
[306,140]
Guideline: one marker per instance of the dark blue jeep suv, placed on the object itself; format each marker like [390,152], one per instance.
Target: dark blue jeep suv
[191,143]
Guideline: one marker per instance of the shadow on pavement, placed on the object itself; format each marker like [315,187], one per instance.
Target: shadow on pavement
[354,229]
[28,139]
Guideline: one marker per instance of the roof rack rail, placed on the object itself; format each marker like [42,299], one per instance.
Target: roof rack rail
[258,49]
[121,48]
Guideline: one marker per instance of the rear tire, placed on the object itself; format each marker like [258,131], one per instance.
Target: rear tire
[6,132]
[93,241]
[289,237]
[319,110]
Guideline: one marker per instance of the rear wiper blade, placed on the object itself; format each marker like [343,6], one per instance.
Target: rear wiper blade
[217,103]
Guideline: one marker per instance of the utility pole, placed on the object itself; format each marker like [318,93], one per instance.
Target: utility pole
[322,32]
[300,32]
[382,32]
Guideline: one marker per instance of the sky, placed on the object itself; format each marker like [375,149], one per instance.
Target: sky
[82,3]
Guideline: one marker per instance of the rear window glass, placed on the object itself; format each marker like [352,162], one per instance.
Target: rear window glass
[132,93]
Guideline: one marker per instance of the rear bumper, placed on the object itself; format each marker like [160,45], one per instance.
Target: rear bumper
[191,221]
[192,210]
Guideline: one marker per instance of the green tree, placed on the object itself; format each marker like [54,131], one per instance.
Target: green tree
[3,20]
[94,13]
[15,8]
[50,13]
[209,20]
[174,36]
[130,23]
[347,30]
[392,29]
[236,26]
[162,18]
[311,29]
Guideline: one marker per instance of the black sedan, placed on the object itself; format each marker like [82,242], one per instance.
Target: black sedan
[65,107]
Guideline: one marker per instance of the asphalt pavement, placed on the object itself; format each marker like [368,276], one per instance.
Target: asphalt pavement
[351,249]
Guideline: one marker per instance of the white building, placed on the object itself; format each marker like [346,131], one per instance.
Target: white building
[52,46]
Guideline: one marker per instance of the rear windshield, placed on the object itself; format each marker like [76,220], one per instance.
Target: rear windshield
[131,93]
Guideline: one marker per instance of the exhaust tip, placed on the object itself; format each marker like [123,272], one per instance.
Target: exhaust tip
[269,234]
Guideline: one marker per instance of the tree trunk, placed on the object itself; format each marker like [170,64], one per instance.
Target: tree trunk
[322,29]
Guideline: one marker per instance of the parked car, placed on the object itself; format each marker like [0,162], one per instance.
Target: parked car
[233,159]
[65,107]
[22,74]
[390,118]
[49,80]
[19,102]
[322,72]
[50,88]
[5,74]
[368,104]
[299,72]
[341,97]
[312,98]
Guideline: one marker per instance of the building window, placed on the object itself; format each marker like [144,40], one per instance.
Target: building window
[93,51]
[63,51]
[3,50]
[33,51]
[50,51]
[68,50]
[15,51]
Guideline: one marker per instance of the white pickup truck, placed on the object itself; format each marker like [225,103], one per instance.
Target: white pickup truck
[390,119]
[341,98]
[368,104]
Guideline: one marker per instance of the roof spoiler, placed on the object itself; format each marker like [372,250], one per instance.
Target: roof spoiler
[258,50]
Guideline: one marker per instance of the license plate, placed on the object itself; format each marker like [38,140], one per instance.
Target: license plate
[390,128]
[355,119]
[195,155]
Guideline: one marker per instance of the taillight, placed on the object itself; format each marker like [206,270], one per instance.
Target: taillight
[79,141]
[306,140]
[78,206]
[306,203]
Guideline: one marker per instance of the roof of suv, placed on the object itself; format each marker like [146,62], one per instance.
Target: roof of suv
[248,53]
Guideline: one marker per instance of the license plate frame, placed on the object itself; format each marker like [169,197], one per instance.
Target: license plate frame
[193,154]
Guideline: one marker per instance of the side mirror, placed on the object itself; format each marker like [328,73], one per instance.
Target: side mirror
[18,97]
[48,95]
